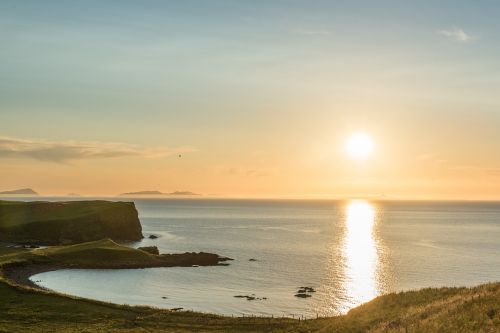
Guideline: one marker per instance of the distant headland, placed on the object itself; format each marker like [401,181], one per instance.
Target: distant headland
[151,193]
[22,191]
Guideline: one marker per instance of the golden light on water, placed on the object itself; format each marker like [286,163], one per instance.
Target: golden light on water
[360,254]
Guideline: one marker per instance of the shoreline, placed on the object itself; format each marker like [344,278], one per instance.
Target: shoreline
[446,305]
[20,274]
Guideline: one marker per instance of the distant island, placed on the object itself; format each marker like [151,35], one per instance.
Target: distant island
[23,191]
[159,193]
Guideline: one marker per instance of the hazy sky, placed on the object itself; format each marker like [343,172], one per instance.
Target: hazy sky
[258,97]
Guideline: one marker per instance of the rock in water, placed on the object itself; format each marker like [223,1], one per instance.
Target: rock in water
[305,292]
[251,297]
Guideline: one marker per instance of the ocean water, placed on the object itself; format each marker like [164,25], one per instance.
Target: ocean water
[348,251]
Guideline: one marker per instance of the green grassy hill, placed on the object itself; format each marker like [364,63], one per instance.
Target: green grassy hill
[104,253]
[68,222]
[24,309]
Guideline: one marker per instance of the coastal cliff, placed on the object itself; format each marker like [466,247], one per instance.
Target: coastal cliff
[54,223]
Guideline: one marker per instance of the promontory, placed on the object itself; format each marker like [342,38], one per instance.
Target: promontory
[56,223]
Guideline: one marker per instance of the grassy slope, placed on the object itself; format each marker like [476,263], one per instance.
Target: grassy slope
[428,310]
[104,252]
[65,210]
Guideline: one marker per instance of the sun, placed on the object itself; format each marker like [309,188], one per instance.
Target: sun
[359,146]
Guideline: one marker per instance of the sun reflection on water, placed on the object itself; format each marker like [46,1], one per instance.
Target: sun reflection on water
[360,254]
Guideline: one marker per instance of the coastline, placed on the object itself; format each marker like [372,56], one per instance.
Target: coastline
[26,305]
[19,264]
[21,274]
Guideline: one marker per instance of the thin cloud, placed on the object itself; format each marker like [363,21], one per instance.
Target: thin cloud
[457,34]
[474,169]
[65,151]
[243,171]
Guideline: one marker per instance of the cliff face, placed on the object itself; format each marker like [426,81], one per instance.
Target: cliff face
[68,222]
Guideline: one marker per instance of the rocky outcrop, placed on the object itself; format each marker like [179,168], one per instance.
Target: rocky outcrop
[305,292]
[193,259]
[251,297]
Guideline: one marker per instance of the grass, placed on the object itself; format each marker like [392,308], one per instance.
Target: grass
[68,222]
[16,213]
[428,310]
[103,253]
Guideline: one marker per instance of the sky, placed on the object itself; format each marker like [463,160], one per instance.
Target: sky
[251,98]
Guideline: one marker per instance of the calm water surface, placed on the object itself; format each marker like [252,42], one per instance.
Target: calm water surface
[350,252]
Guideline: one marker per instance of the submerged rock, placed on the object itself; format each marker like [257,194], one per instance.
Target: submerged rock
[305,292]
[153,237]
[251,297]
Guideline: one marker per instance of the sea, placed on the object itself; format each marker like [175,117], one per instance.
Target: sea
[346,252]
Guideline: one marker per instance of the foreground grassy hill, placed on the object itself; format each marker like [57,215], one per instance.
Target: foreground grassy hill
[68,222]
[24,309]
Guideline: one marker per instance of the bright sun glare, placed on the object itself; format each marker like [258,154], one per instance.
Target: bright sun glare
[359,146]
